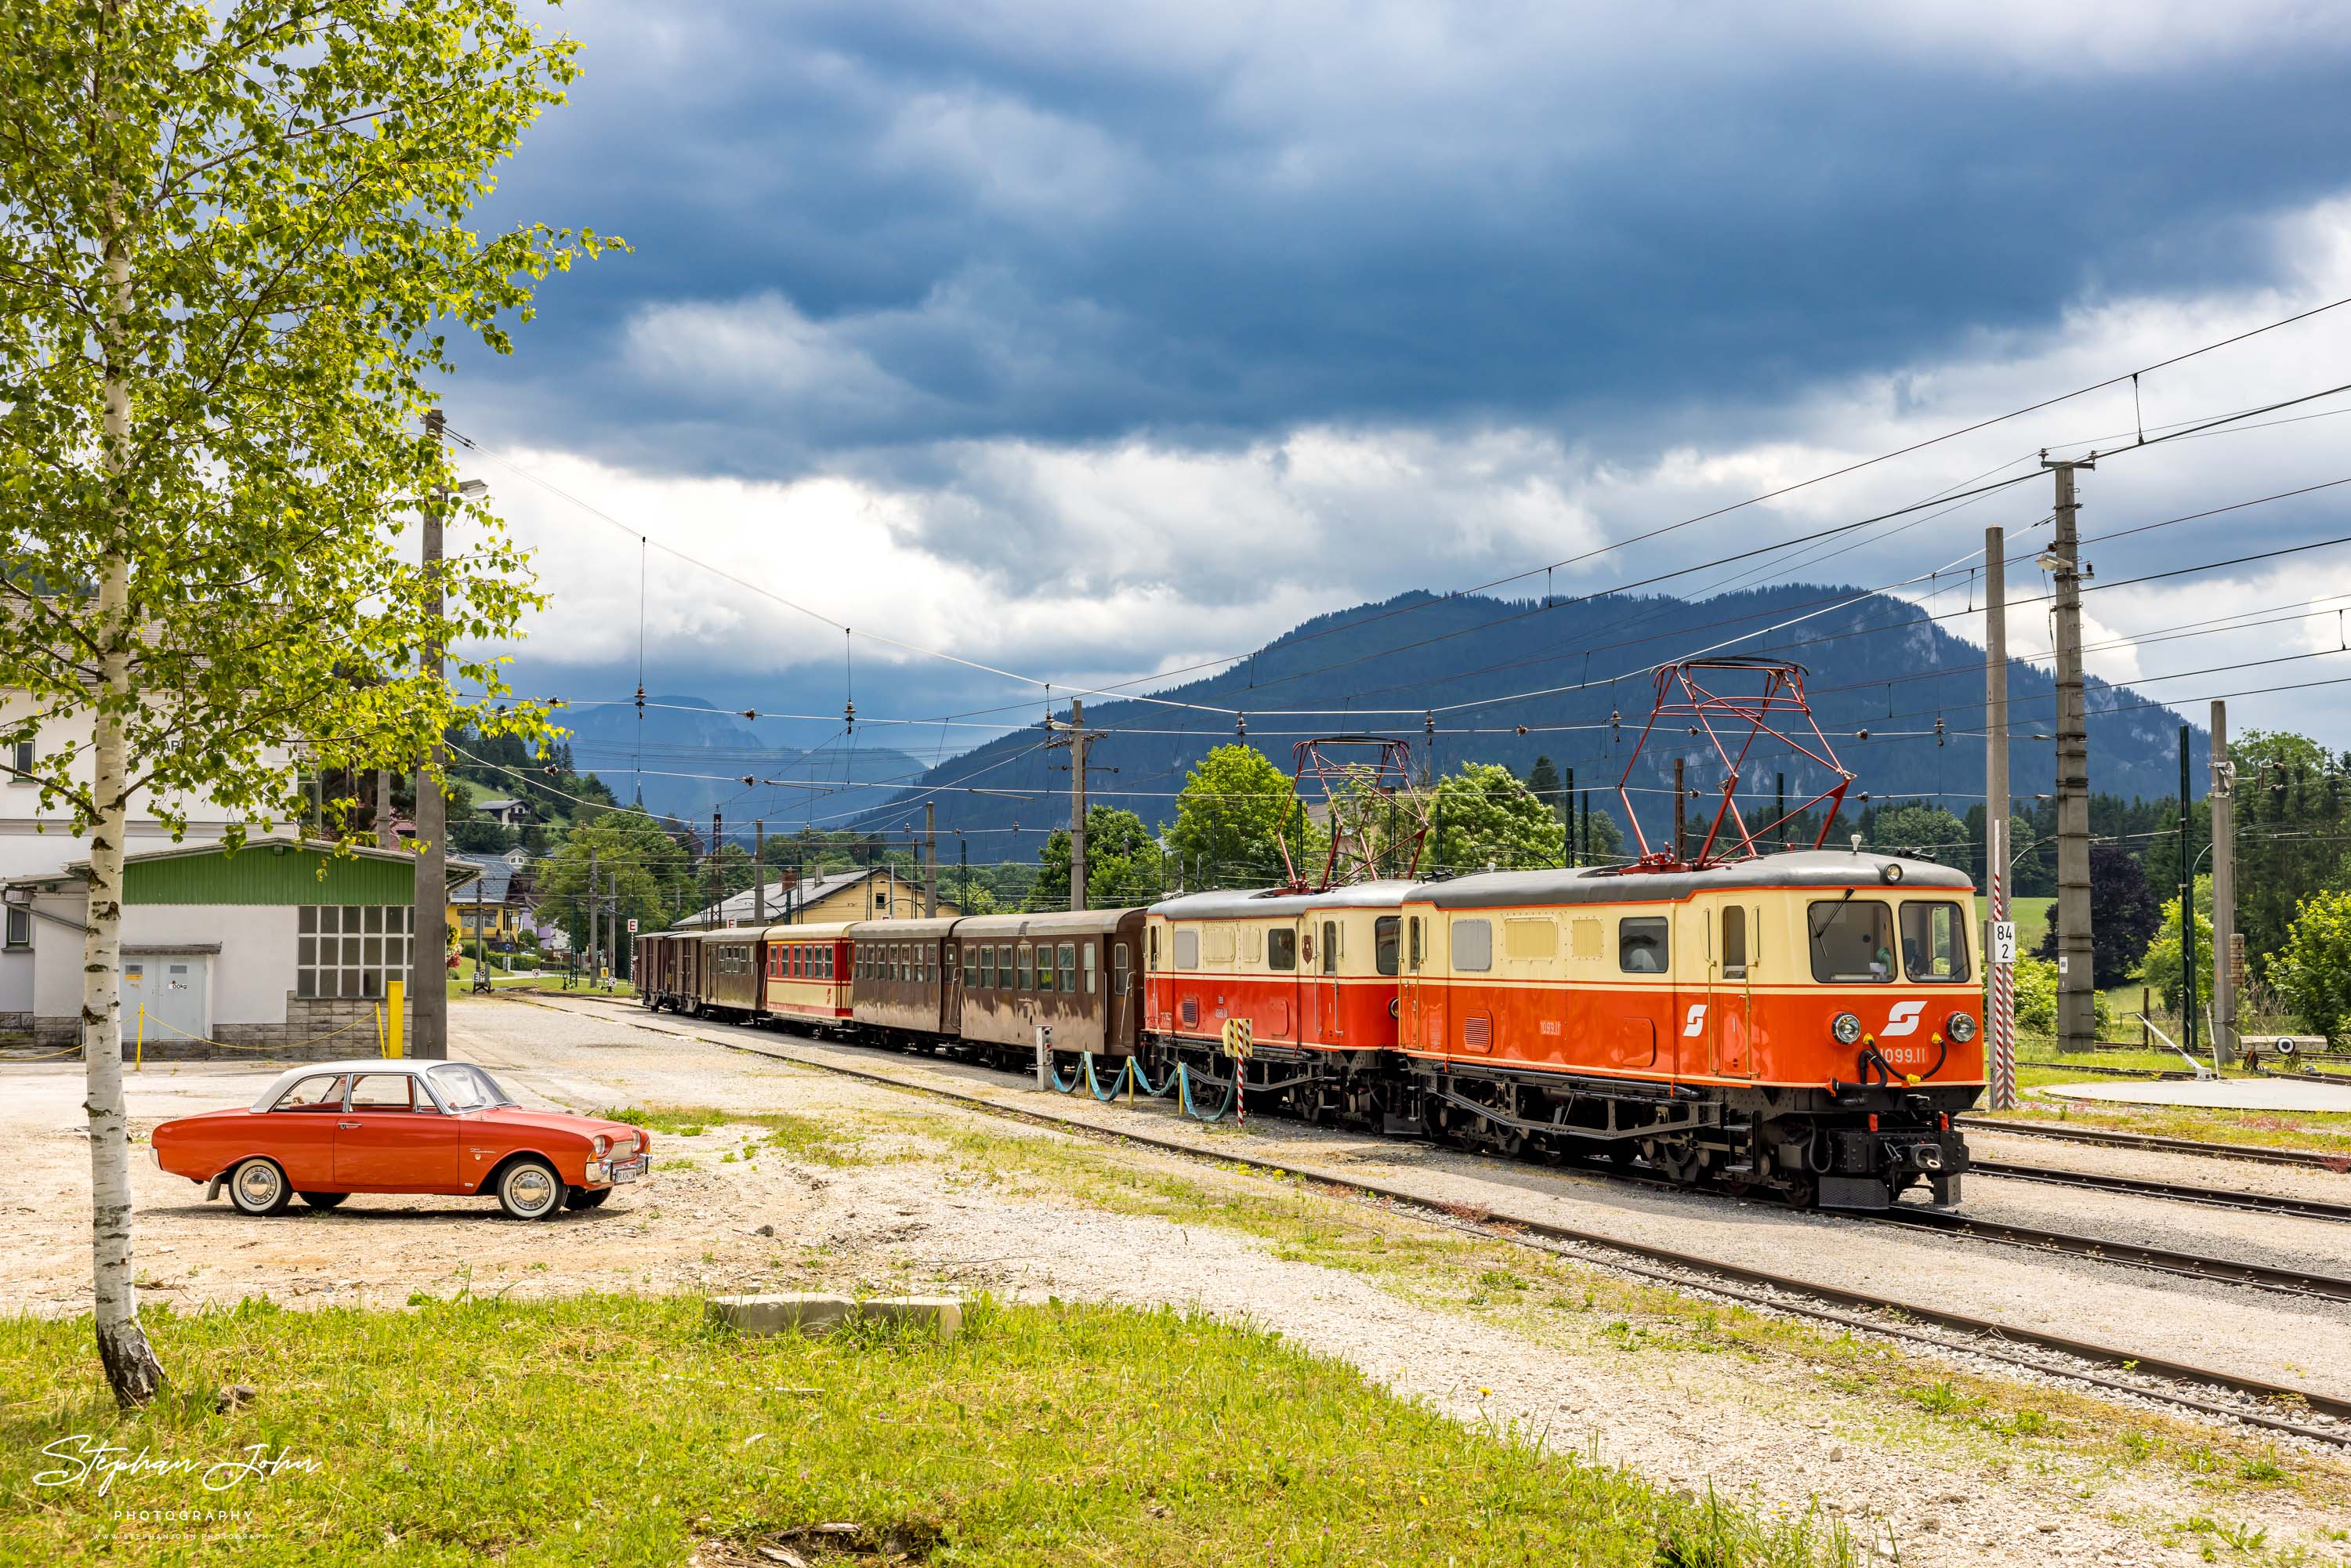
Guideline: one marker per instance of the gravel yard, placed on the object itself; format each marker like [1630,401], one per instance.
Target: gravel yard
[902,1192]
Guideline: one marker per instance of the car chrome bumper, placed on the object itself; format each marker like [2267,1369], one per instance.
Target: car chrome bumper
[608,1173]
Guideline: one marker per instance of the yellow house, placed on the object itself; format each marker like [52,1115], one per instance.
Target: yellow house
[869,892]
[490,906]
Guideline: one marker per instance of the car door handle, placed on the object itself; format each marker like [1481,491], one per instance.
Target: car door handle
[346,1126]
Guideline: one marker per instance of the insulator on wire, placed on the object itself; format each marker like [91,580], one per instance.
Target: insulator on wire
[849,717]
[750,713]
[1939,730]
[1240,727]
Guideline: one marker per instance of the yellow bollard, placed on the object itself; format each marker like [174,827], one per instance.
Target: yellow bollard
[140,1065]
[394,994]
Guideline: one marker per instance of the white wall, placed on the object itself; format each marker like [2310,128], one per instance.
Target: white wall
[251,974]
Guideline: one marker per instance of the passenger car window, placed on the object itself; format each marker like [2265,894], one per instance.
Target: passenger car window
[1281,948]
[1069,968]
[1089,952]
[1118,970]
[1473,946]
[1934,942]
[1024,960]
[1853,941]
[383,1092]
[1641,945]
[1044,966]
[1187,950]
[1734,942]
[319,1091]
[970,966]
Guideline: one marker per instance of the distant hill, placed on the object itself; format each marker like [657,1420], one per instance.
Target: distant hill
[1893,683]
[685,736]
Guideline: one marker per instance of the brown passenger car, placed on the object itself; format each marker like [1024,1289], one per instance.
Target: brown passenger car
[897,976]
[732,960]
[1081,974]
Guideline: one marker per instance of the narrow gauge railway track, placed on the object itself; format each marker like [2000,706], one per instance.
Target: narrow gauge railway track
[2314,1158]
[2097,1072]
[2253,1202]
[1803,1297]
[2193,1265]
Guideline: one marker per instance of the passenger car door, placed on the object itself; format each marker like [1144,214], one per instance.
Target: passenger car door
[392,1137]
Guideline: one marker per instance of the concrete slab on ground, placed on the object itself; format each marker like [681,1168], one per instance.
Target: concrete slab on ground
[2214,1093]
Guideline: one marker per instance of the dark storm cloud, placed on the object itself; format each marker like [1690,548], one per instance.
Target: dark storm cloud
[865,228]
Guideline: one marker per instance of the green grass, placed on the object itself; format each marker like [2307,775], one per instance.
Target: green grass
[803,1138]
[621,1431]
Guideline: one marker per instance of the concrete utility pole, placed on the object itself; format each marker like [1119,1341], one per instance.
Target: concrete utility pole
[385,838]
[1568,793]
[759,873]
[2077,1027]
[429,1034]
[1077,738]
[930,860]
[717,871]
[2224,889]
[595,933]
[2187,904]
[2001,1025]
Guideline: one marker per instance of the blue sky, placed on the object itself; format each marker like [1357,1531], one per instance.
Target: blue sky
[1085,341]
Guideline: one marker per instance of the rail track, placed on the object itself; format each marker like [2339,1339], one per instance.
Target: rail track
[2177,1192]
[2151,1378]
[2315,1159]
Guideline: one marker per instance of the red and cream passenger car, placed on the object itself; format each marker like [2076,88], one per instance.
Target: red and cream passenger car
[806,973]
[1311,976]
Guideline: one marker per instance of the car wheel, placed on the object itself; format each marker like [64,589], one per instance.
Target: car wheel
[587,1198]
[257,1186]
[529,1189]
[324,1199]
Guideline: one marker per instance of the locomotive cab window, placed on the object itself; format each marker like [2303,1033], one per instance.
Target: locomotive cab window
[1413,956]
[1641,945]
[1853,941]
[1383,943]
[1934,942]
[1473,946]
[1329,947]
[1734,942]
[1281,948]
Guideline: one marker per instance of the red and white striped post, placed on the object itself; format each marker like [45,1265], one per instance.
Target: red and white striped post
[2001,1024]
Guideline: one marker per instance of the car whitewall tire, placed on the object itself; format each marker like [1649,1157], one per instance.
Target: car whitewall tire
[257,1186]
[529,1189]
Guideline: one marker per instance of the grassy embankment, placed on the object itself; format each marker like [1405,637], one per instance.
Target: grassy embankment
[621,1430]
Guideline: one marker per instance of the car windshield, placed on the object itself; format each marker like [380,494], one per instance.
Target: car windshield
[469,1088]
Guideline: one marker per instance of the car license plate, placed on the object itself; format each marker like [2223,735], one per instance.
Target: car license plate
[629,1172]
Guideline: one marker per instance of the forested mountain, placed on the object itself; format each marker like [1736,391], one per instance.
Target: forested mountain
[1881,676]
[692,755]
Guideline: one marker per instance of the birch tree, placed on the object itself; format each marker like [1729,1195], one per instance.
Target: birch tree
[233,249]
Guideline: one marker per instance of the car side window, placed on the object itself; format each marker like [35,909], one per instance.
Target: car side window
[319,1091]
[383,1092]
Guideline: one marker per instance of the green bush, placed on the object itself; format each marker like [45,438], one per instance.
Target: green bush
[2312,970]
[2036,999]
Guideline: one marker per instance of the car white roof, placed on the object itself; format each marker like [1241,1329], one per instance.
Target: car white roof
[293,1075]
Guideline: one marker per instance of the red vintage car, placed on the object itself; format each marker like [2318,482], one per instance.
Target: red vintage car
[329,1129]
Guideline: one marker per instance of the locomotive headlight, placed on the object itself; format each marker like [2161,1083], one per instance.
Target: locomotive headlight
[1890,872]
[1847,1029]
[1962,1027]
